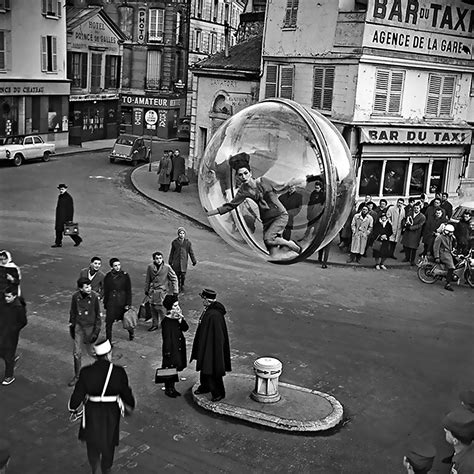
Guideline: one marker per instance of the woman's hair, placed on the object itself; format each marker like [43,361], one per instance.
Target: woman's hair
[241,160]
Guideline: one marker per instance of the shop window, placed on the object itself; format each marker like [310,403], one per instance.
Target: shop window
[438,172]
[279,81]
[96,70]
[49,53]
[418,178]
[153,69]
[51,8]
[156,24]
[4,5]
[440,95]
[77,70]
[290,14]
[388,91]
[9,116]
[36,115]
[370,175]
[394,177]
[55,114]
[323,84]
[112,72]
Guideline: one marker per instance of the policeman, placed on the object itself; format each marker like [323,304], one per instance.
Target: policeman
[419,457]
[459,429]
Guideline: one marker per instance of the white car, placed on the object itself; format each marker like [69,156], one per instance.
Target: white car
[18,149]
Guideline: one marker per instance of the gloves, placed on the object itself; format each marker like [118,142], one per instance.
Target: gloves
[72,331]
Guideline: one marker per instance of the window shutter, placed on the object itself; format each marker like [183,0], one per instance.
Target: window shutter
[108,79]
[434,91]
[318,78]
[6,4]
[54,53]
[381,90]
[329,73]
[118,71]
[84,58]
[44,7]
[271,81]
[69,65]
[44,53]
[396,89]
[447,94]
[59,9]
[3,61]
[286,82]
[294,12]
[153,69]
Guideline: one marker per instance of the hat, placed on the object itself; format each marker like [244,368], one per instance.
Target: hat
[241,160]
[209,294]
[62,185]
[461,423]
[467,397]
[4,453]
[169,301]
[103,347]
[181,229]
[113,260]
[449,228]
[421,454]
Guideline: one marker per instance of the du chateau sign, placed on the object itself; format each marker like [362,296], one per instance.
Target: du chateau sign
[437,28]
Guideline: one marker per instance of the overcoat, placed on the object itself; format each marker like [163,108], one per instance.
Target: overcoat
[102,427]
[395,216]
[159,281]
[12,320]
[463,234]
[164,170]
[97,280]
[178,167]
[117,294]
[64,210]
[432,223]
[178,259]
[361,228]
[442,248]
[412,235]
[174,343]
[211,348]
[377,232]
[11,270]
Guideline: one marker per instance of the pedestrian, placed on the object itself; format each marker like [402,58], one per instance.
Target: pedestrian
[314,210]
[292,201]
[361,227]
[459,431]
[174,344]
[431,209]
[10,274]
[12,321]
[84,322]
[178,170]
[323,255]
[412,235]
[463,233]
[380,235]
[367,199]
[181,249]
[64,214]
[446,205]
[443,253]
[211,348]
[105,393]
[396,216]
[424,203]
[96,277]
[165,168]
[419,457]
[117,297]
[345,235]
[159,281]
[432,224]
[382,208]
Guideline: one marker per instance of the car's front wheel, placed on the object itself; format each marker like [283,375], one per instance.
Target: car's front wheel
[18,159]
[46,156]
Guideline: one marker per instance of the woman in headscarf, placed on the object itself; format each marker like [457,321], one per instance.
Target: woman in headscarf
[10,274]
[264,193]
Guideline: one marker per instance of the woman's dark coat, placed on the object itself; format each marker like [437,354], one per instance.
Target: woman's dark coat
[377,231]
[178,167]
[64,210]
[5,282]
[117,294]
[12,320]
[178,259]
[174,343]
[412,235]
[211,348]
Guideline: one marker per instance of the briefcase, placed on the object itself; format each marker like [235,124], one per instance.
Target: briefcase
[166,375]
[71,228]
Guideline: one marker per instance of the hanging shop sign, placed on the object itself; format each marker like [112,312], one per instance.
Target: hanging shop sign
[85,97]
[141,26]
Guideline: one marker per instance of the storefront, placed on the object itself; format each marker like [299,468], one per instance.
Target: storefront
[134,110]
[35,107]
[407,161]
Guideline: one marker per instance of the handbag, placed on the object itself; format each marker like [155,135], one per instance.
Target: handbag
[71,228]
[130,319]
[183,180]
[377,245]
[166,375]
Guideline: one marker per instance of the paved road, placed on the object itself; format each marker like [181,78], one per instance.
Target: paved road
[393,351]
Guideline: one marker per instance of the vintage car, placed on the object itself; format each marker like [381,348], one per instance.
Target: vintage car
[130,148]
[19,148]
[459,211]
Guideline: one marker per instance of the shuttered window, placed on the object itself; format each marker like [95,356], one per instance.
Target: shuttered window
[3,51]
[153,69]
[388,91]
[77,69]
[439,101]
[96,72]
[51,8]
[323,86]
[279,81]
[290,14]
[4,4]
[112,72]
[156,25]
[49,53]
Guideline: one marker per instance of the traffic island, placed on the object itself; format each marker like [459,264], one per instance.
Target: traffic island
[298,409]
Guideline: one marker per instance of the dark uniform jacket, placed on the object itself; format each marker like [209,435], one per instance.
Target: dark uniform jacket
[211,348]
[174,343]
[117,293]
[64,210]
[178,259]
[102,419]
[12,320]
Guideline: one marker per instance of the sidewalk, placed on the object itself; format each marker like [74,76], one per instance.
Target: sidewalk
[188,205]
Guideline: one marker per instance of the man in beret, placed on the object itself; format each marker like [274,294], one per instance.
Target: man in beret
[419,457]
[211,348]
[459,428]
[64,213]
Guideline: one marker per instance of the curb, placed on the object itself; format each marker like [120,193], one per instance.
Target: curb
[81,150]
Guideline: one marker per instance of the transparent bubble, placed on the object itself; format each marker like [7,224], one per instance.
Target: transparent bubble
[296,192]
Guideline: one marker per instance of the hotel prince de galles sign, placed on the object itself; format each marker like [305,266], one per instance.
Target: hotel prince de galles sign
[94,32]
[436,28]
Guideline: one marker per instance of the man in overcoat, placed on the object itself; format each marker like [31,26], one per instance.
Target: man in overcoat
[100,424]
[361,226]
[179,168]
[93,273]
[165,168]
[211,348]
[442,251]
[117,297]
[396,215]
[412,235]
[181,250]
[12,320]
[64,213]
[293,202]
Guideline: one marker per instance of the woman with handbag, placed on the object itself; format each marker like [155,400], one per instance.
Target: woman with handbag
[174,343]
[381,244]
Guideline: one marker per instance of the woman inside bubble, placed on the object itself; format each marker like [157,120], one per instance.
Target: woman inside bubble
[264,192]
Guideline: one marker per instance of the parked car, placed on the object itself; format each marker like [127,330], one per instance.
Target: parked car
[129,148]
[459,211]
[184,128]
[20,148]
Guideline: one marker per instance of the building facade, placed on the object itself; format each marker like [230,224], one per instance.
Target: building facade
[394,77]
[34,90]
[94,67]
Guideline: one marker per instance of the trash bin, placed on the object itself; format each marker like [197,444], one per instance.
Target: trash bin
[267,371]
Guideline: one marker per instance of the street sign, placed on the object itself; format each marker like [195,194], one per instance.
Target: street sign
[151,117]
